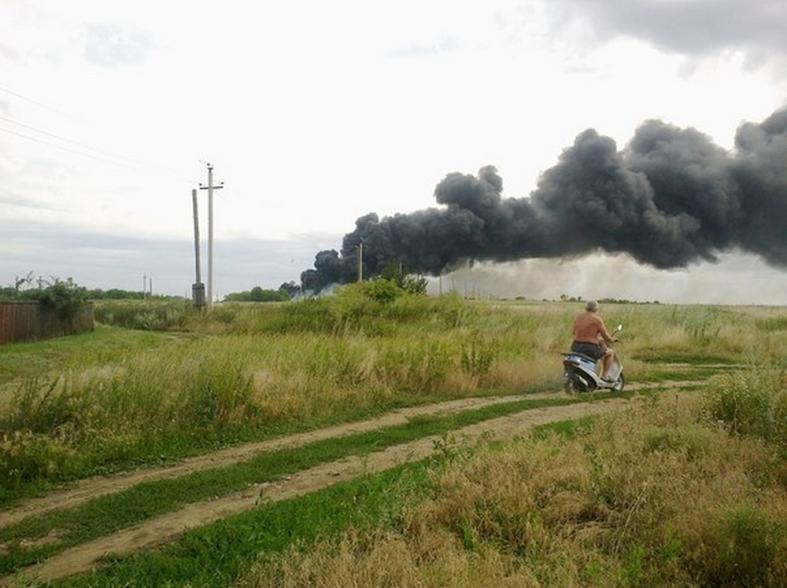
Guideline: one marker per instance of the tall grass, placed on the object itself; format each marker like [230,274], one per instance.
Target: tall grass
[249,370]
[751,403]
[148,315]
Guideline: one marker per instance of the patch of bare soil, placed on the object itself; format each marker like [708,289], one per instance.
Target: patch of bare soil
[52,537]
[167,527]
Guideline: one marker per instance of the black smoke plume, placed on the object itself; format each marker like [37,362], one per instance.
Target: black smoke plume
[670,198]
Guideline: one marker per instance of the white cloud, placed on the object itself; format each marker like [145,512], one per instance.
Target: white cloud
[307,117]
[113,46]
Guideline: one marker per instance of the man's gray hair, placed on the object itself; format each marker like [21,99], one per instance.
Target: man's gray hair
[591,305]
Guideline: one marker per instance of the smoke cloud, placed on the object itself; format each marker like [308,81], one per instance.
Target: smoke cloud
[669,198]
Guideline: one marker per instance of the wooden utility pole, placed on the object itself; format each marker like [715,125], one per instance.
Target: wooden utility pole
[210,187]
[198,289]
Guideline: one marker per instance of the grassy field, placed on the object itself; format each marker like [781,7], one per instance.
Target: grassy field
[118,398]
[156,383]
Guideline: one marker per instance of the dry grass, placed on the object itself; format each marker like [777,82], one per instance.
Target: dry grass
[656,496]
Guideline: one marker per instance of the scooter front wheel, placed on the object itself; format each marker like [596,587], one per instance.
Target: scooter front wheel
[621,381]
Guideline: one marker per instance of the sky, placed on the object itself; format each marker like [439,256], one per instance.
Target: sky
[314,113]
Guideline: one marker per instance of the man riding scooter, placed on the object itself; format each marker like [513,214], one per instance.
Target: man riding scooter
[591,337]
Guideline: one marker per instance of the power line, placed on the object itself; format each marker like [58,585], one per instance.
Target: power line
[97,158]
[102,152]
[59,137]
[36,102]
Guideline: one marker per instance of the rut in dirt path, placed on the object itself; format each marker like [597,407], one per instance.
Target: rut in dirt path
[165,528]
[94,487]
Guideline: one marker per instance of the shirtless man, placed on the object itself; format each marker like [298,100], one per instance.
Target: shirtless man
[590,336]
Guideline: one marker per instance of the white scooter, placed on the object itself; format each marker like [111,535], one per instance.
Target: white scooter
[582,373]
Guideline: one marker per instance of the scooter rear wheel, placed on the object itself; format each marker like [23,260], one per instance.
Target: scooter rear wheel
[576,382]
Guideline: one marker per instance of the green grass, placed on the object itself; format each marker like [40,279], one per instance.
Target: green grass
[770,325]
[108,514]
[567,429]
[689,375]
[215,555]
[102,346]
[688,357]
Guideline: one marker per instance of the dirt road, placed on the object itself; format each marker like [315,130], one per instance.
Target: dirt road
[91,488]
[167,527]
[94,487]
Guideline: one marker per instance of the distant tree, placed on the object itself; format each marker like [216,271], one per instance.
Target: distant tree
[257,294]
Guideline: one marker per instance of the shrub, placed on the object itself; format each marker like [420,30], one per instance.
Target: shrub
[25,455]
[148,315]
[381,290]
[694,440]
[65,298]
[751,402]
[741,546]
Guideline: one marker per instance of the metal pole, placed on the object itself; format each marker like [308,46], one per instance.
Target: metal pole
[210,236]
[210,188]
[144,286]
[196,234]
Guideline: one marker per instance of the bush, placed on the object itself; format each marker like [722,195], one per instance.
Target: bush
[147,315]
[25,456]
[752,402]
[742,546]
[381,290]
[64,297]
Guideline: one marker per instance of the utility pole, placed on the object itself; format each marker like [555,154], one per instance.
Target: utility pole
[150,283]
[144,286]
[440,281]
[360,261]
[198,289]
[210,187]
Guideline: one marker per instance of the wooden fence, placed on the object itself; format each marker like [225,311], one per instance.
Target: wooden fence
[30,321]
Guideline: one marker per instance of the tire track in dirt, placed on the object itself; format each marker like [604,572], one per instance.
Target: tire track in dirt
[96,486]
[88,489]
[165,528]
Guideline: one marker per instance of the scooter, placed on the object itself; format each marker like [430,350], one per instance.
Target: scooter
[581,373]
